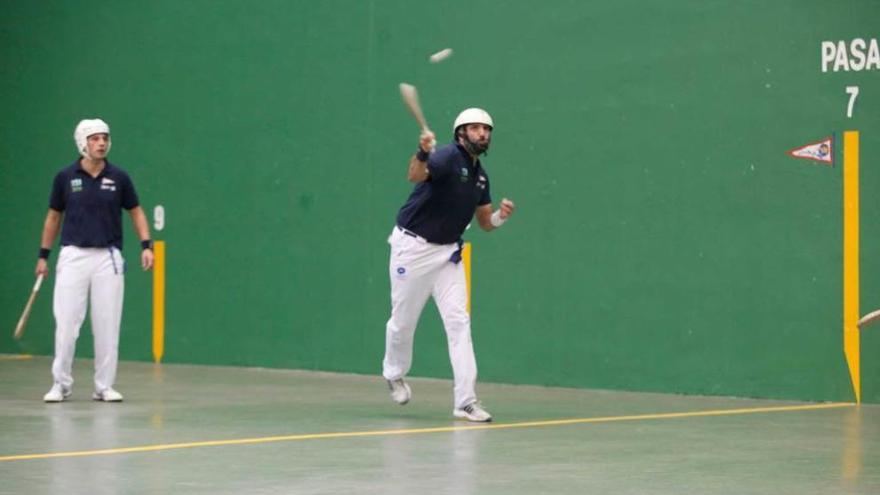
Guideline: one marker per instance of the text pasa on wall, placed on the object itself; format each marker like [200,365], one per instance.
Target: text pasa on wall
[855,55]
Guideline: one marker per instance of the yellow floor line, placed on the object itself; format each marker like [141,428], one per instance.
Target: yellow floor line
[415,431]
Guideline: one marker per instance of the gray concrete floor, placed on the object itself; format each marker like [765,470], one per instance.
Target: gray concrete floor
[219,430]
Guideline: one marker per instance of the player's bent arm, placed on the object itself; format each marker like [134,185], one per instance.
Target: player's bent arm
[418,164]
[484,215]
[418,170]
[491,220]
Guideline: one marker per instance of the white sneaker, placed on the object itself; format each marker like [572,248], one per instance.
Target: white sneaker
[473,412]
[107,395]
[400,391]
[56,394]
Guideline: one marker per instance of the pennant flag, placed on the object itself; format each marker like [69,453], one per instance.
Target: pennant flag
[821,151]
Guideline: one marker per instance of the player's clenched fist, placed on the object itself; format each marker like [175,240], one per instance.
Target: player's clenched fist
[427,141]
[506,208]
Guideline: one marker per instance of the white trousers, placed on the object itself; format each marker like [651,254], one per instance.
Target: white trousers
[85,275]
[420,270]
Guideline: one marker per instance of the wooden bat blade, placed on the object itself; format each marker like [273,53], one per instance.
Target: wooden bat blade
[22,322]
[410,97]
[869,318]
[19,329]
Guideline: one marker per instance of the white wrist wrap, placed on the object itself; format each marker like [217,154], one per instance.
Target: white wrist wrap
[496,219]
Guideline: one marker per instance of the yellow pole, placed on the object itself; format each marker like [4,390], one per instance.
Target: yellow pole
[466,259]
[851,257]
[158,300]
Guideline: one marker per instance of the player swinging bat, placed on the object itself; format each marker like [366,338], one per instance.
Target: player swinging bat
[451,189]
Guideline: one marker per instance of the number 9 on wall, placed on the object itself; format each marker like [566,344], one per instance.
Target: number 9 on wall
[159,218]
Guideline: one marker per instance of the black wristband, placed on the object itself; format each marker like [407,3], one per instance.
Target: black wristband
[44,253]
[422,155]
[148,244]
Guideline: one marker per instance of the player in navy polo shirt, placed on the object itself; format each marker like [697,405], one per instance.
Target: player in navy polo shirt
[451,188]
[86,203]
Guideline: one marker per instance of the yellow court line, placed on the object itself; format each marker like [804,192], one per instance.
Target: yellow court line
[15,357]
[416,431]
[158,300]
[851,258]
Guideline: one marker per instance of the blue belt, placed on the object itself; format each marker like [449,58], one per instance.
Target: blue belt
[411,234]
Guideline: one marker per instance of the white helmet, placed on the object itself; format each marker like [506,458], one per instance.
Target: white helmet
[86,128]
[472,116]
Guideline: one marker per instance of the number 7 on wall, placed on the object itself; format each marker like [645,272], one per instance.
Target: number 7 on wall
[853,92]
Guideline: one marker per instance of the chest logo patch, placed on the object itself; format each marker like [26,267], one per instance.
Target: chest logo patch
[108,184]
[464,174]
[76,185]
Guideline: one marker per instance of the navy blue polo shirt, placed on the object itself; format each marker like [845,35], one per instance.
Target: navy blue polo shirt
[92,206]
[440,208]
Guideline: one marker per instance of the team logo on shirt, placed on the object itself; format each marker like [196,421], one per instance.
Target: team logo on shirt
[76,185]
[481,182]
[108,184]
[401,271]
[464,174]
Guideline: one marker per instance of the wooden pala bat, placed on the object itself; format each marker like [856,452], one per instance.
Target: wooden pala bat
[869,318]
[410,97]
[19,329]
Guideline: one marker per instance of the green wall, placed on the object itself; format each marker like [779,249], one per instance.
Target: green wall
[663,239]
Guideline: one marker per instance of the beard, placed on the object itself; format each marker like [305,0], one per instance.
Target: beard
[476,148]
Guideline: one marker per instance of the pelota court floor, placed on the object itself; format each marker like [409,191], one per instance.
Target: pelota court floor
[218,430]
